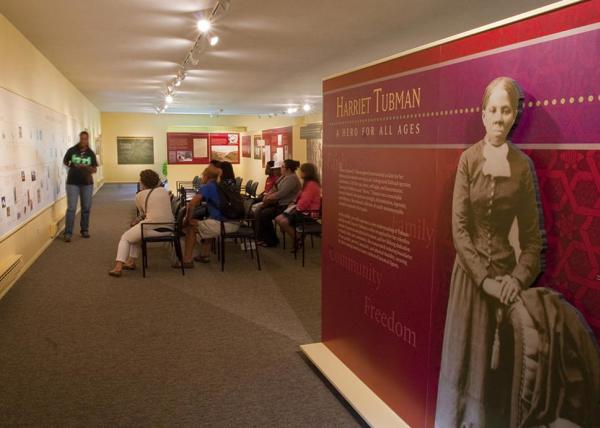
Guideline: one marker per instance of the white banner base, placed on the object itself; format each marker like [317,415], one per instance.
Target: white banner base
[366,403]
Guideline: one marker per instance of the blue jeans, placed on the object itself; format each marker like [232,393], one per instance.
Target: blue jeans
[73,193]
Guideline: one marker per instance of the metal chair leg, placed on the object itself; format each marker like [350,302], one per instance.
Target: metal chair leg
[282,237]
[179,253]
[144,258]
[303,248]
[222,240]
[295,244]
[257,256]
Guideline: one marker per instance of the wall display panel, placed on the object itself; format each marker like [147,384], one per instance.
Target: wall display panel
[424,222]
[225,146]
[258,147]
[280,142]
[246,146]
[313,134]
[186,148]
[33,142]
[135,150]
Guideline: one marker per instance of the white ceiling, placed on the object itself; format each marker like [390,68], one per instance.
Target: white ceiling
[272,54]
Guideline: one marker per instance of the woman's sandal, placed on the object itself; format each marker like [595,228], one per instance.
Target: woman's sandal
[129,267]
[202,259]
[186,265]
[115,273]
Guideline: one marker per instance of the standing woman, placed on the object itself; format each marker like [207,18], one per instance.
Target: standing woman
[82,163]
[494,185]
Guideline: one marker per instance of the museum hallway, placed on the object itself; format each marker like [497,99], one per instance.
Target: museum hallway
[80,348]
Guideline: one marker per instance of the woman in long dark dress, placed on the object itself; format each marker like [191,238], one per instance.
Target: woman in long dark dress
[494,185]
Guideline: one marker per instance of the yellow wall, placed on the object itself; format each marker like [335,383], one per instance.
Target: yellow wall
[151,125]
[26,72]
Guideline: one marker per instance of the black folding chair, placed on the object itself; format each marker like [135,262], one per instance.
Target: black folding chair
[310,226]
[246,233]
[254,189]
[238,184]
[248,188]
[169,233]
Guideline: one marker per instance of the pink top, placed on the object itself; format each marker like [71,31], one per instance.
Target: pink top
[309,198]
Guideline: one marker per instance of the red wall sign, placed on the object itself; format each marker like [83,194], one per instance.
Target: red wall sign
[280,141]
[200,148]
[225,146]
[187,148]
[246,146]
[408,245]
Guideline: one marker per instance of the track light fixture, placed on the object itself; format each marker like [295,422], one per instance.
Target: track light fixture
[202,42]
[306,107]
[204,25]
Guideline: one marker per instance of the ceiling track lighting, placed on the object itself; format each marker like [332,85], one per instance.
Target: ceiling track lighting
[203,40]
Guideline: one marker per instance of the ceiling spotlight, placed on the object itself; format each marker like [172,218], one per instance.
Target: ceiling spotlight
[214,40]
[204,25]
[292,110]
[306,107]
[169,99]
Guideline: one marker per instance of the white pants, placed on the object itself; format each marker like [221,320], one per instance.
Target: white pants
[129,245]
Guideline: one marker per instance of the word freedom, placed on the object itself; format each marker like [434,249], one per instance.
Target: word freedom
[379,101]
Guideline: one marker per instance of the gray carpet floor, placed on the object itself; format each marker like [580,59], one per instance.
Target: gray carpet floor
[80,348]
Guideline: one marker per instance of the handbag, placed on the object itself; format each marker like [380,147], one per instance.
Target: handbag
[142,216]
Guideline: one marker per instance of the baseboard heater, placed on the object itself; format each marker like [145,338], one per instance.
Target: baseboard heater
[10,268]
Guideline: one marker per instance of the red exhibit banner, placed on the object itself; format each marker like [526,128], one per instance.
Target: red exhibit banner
[225,146]
[185,148]
[442,252]
[246,146]
[280,142]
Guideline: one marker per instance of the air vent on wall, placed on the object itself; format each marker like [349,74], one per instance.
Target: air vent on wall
[10,268]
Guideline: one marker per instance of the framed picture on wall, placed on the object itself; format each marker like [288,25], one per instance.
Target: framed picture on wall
[246,146]
[258,147]
[225,147]
[135,150]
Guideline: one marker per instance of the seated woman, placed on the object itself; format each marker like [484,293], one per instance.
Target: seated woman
[209,228]
[273,173]
[227,175]
[276,201]
[308,202]
[154,204]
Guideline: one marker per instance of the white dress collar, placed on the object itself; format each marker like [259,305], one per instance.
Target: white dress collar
[496,160]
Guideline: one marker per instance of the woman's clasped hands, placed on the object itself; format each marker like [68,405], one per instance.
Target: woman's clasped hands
[504,288]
